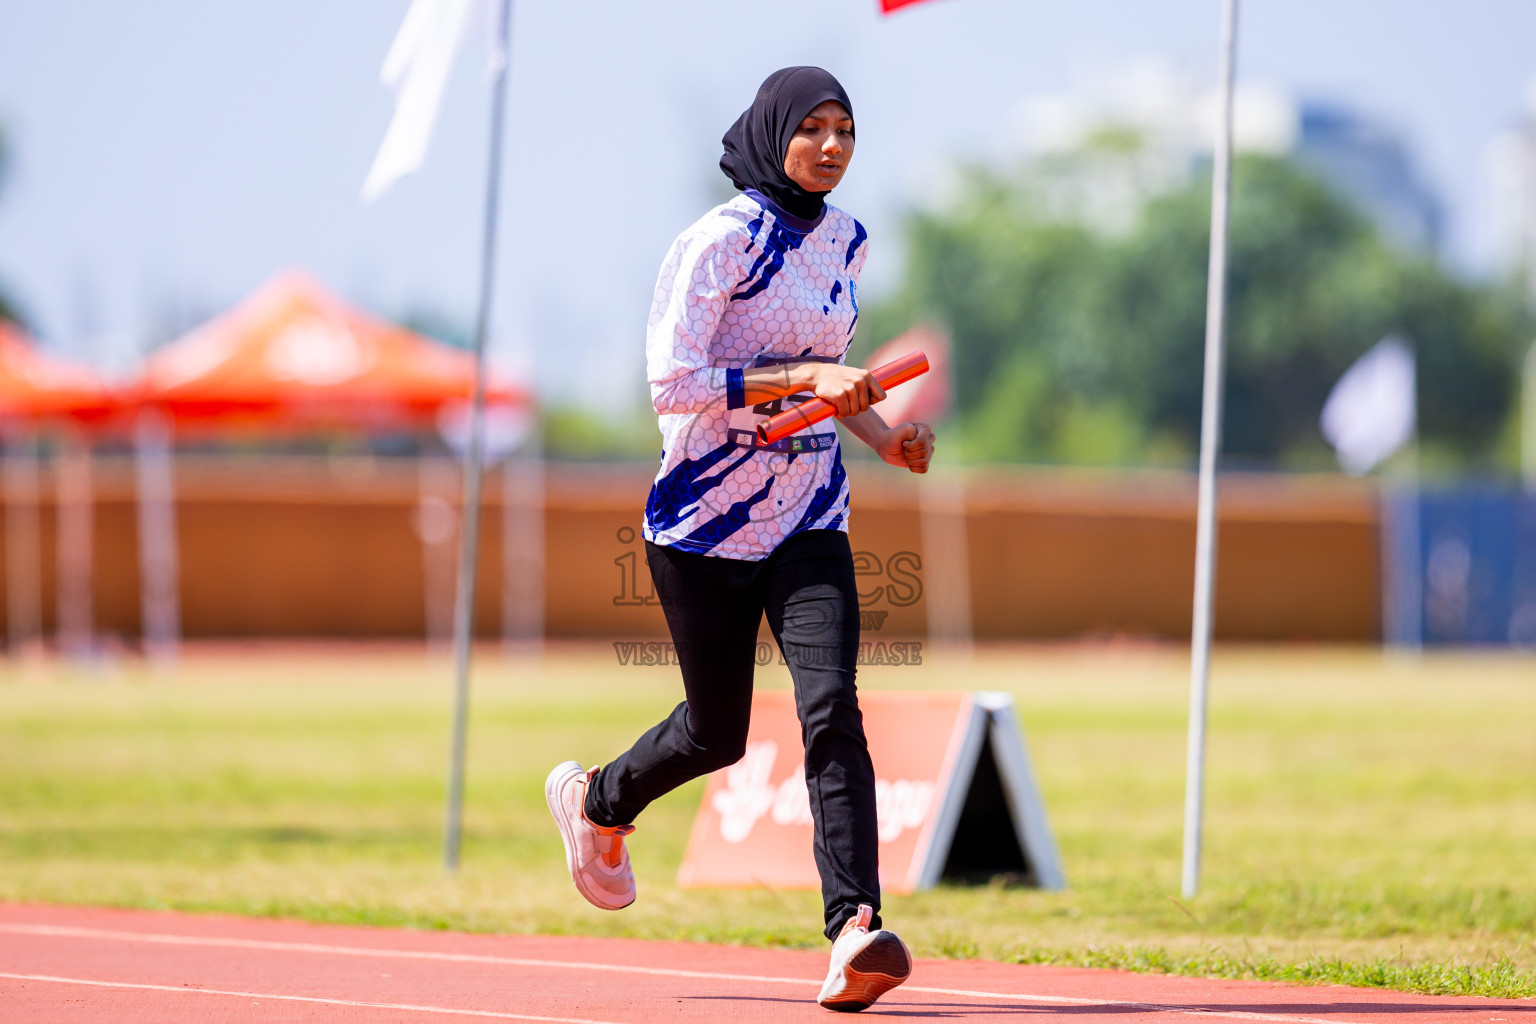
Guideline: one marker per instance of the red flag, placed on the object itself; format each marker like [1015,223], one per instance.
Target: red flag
[926,399]
[887,6]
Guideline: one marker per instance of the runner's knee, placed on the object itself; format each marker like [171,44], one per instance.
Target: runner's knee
[720,746]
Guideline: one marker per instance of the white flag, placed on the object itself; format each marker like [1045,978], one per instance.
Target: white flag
[417,68]
[1371,411]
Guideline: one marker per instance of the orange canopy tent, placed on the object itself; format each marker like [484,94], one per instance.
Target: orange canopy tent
[35,386]
[294,355]
[290,357]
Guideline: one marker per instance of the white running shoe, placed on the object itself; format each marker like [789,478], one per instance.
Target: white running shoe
[865,965]
[596,857]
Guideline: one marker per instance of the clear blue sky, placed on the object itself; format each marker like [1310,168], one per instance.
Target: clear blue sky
[173,154]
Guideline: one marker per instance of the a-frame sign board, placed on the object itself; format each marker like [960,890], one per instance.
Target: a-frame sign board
[993,822]
[955,794]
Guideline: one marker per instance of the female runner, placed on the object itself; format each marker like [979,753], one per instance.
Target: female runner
[755,307]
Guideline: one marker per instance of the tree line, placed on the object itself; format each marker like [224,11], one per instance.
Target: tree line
[1080,343]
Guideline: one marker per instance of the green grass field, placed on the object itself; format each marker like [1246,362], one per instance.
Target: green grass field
[1370,820]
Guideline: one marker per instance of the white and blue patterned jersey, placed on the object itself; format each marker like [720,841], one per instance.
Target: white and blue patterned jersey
[747,285]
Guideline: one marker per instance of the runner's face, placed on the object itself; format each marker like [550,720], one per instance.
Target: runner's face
[821,147]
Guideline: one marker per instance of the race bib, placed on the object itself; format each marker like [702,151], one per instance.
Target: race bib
[742,430]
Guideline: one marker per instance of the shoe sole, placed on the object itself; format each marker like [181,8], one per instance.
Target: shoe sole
[552,786]
[872,972]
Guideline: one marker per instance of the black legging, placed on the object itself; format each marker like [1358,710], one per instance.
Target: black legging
[713,608]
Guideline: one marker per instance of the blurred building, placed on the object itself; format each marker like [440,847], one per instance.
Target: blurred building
[1149,126]
[1369,163]
[1512,175]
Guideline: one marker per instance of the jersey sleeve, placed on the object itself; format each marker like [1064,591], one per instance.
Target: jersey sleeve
[695,283]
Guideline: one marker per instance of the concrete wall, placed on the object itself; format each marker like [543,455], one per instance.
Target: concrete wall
[302,548]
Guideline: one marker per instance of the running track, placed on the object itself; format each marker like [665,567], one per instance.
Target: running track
[88,966]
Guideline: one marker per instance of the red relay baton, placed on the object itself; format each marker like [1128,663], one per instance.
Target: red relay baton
[798,417]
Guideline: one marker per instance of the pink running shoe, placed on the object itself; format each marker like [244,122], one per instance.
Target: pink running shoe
[596,857]
[865,965]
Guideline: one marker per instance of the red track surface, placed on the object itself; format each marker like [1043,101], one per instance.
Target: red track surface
[66,965]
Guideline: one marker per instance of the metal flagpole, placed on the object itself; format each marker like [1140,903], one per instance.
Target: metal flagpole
[464,605]
[75,514]
[23,563]
[1210,444]
[154,463]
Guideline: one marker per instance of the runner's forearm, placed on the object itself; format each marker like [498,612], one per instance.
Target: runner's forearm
[766,383]
[868,426]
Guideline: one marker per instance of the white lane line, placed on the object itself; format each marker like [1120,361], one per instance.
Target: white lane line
[1119,1004]
[297,999]
[1122,1004]
[407,954]
[63,931]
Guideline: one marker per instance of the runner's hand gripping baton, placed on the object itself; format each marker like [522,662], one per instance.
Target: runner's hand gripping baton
[798,417]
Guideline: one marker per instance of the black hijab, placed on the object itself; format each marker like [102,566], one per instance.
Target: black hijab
[756,144]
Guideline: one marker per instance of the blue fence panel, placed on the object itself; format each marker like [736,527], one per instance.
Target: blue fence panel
[1459,567]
